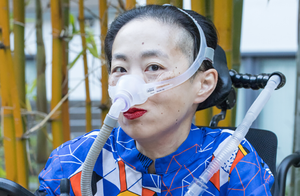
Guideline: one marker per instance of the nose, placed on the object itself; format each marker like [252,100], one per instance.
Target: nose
[131,88]
[138,72]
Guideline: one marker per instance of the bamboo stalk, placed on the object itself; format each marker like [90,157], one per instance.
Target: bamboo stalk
[9,142]
[19,55]
[199,6]
[158,2]
[7,123]
[20,153]
[236,42]
[22,162]
[12,93]
[177,3]
[65,86]
[209,7]
[56,123]
[17,66]
[130,4]
[223,22]
[88,112]
[236,33]
[105,102]
[6,114]
[41,98]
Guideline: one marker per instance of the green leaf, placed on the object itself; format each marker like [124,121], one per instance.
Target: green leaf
[32,87]
[70,65]
[91,41]
[93,52]
[72,23]
[30,94]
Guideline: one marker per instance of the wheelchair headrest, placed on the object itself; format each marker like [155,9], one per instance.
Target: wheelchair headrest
[219,95]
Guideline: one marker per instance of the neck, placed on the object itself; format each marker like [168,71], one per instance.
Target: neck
[163,145]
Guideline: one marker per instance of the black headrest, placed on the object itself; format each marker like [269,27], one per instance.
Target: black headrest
[220,64]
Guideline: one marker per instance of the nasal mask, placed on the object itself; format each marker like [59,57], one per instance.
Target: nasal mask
[134,90]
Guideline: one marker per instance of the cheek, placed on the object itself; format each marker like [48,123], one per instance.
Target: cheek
[165,76]
[171,74]
[112,80]
[169,101]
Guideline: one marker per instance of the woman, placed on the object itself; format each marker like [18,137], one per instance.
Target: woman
[157,150]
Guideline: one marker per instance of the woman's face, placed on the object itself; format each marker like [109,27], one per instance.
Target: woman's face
[150,49]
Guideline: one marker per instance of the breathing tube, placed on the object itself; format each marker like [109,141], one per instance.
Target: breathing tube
[198,186]
[131,90]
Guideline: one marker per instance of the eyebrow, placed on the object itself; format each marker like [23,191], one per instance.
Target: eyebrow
[120,57]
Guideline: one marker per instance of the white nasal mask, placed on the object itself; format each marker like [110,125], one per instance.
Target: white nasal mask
[134,90]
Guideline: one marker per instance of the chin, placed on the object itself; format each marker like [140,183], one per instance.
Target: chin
[135,131]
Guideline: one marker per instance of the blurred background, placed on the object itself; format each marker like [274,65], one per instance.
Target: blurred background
[51,59]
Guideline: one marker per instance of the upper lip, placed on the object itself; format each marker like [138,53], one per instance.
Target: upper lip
[132,110]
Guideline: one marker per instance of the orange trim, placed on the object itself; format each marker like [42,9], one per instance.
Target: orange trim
[56,188]
[53,156]
[180,187]
[238,157]
[215,179]
[147,192]
[195,146]
[240,178]
[127,163]
[123,185]
[252,177]
[266,190]
[47,172]
[249,163]
[167,189]
[174,178]
[75,183]
[189,171]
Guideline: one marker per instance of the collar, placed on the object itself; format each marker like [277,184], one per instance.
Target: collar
[127,151]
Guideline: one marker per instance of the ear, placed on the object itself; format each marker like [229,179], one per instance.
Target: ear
[206,83]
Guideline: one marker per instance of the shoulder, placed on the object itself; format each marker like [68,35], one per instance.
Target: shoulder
[216,138]
[221,137]
[72,154]
[66,160]
[71,151]
[83,140]
[81,145]
[244,170]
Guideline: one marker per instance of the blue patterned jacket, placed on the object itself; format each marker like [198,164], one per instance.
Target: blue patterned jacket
[122,170]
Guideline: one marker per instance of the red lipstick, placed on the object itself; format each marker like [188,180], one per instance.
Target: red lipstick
[134,113]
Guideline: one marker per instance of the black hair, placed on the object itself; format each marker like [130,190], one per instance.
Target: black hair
[168,15]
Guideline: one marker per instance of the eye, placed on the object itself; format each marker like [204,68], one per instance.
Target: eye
[153,67]
[119,69]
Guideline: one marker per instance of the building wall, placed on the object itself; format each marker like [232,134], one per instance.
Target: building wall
[278,113]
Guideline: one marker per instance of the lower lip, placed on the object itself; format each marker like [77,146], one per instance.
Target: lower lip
[134,115]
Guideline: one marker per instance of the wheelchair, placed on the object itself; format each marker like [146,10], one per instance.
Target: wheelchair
[226,100]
